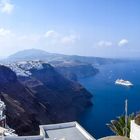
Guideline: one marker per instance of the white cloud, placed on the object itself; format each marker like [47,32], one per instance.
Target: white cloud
[51,34]
[123,42]
[6,6]
[104,43]
[5,32]
[68,40]
[11,41]
[61,39]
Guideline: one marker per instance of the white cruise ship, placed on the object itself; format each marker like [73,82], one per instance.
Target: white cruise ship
[123,82]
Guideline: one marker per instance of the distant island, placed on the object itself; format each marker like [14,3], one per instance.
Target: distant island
[70,66]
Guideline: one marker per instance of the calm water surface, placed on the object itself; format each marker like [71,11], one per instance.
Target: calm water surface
[108,98]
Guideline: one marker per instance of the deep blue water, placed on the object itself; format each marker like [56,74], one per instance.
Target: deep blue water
[108,98]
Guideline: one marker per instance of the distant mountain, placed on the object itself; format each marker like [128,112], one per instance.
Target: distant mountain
[36,54]
[35,93]
[31,54]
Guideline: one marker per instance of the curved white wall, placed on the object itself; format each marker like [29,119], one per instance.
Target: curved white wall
[135,131]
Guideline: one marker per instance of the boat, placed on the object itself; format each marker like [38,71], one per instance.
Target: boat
[123,82]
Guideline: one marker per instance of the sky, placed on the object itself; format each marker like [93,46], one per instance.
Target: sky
[104,28]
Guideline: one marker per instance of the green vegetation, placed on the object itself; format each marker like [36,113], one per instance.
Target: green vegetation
[118,126]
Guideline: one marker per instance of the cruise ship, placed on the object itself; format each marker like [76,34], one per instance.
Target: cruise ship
[123,82]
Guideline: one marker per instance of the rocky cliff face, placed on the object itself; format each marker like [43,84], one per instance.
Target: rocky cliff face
[74,69]
[37,94]
[22,106]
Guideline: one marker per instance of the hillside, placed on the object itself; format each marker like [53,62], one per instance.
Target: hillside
[74,70]
[39,96]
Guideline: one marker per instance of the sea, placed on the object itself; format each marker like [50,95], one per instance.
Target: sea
[109,98]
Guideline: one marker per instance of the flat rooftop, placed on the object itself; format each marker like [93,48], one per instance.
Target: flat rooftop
[65,131]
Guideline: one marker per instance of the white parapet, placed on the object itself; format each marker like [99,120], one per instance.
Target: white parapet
[65,131]
[135,131]
[83,131]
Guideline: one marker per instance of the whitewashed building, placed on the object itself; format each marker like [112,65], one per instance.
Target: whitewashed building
[135,131]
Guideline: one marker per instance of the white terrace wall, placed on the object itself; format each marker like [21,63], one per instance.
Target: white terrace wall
[135,131]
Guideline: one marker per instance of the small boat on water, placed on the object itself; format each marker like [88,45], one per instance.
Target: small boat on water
[123,82]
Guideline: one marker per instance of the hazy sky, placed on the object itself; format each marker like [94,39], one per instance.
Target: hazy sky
[106,28]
